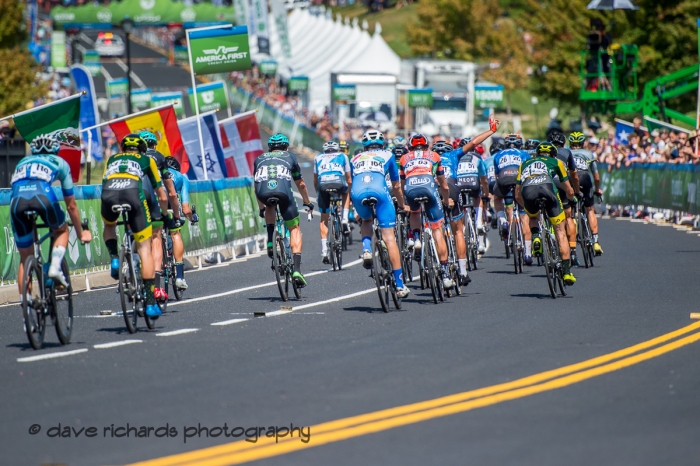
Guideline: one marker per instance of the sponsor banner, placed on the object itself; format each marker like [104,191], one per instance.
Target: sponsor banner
[175,98]
[180,53]
[420,98]
[141,99]
[209,97]
[117,88]
[298,83]
[268,67]
[262,30]
[241,9]
[279,14]
[488,96]
[220,50]
[58,49]
[89,115]
[344,92]
[92,61]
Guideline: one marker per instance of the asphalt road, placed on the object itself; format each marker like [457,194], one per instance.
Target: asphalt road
[331,361]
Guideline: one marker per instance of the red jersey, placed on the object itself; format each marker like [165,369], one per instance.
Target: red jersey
[420,162]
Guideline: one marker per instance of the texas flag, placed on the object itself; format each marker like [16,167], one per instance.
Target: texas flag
[163,123]
[240,138]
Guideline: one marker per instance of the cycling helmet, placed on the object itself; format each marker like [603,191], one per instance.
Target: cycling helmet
[416,141]
[278,141]
[576,138]
[373,138]
[344,147]
[514,140]
[441,147]
[45,144]
[399,151]
[496,147]
[480,149]
[464,141]
[331,146]
[531,144]
[547,149]
[149,137]
[172,162]
[557,138]
[399,141]
[357,151]
[134,141]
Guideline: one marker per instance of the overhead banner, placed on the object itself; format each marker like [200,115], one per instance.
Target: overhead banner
[298,84]
[220,50]
[209,97]
[58,49]
[488,96]
[344,92]
[88,108]
[175,98]
[279,14]
[268,67]
[262,30]
[141,99]
[117,88]
[420,98]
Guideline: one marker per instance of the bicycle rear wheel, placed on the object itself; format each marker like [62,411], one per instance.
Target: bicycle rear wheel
[62,302]
[338,249]
[380,276]
[513,244]
[581,238]
[429,266]
[548,262]
[176,291]
[33,303]
[127,290]
[279,263]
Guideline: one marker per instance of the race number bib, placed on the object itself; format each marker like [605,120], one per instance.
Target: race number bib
[33,171]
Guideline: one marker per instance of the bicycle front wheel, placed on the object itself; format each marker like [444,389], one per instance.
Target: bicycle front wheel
[380,276]
[33,307]
[62,302]
[127,290]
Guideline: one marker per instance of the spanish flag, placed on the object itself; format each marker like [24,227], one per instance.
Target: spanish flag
[163,123]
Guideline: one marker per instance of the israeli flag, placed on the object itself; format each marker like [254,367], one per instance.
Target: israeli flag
[213,159]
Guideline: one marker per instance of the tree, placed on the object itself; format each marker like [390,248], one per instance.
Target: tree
[18,84]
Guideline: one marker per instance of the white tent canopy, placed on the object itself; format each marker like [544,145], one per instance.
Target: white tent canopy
[321,46]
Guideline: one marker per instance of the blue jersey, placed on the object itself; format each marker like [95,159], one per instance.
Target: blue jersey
[182,185]
[45,168]
[331,167]
[490,170]
[376,167]
[509,161]
[471,165]
[449,161]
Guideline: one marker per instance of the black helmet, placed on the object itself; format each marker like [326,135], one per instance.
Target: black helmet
[172,162]
[134,141]
[441,147]
[496,147]
[557,138]
[464,141]
[531,144]
[514,140]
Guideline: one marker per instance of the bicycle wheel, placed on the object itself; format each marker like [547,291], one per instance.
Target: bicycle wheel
[290,272]
[127,290]
[581,238]
[520,246]
[330,241]
[338,243]
[440,286]
[176,291]
[548,263]
[505,243]
[454,269]
[513,243]
[150,321]
[379,276]
[62,303]
[589,243]
[429,266]
[279,263]
[33,303]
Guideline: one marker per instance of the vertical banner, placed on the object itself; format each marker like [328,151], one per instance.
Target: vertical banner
[268,67]
[262,30]
[58,49]
[89,115]
[209,97]
[93,62]
[117,88]
[279,14]
[240,8]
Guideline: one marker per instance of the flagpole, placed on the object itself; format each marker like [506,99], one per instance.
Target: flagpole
[55,102]
[228,101]
[150,110]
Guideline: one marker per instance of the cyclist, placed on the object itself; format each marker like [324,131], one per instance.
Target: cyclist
[182,186]
[399,148]
[536,180]
[531,146]
[496,147]
[331,171]
[420,169]
[589,182]
[558,139]
[344,147]
[506,164]
[156,214]
[274,172]
[31,191]
[369,170]
[122,183]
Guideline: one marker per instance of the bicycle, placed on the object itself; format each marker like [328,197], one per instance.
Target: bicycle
[282,261]
[430,273]
[550,253]
[337,242]
[381,266]
[471,237]
[452,256]
[403,230]
[168,268]
[516,242]
[42,296]
[584,237]
[131,290]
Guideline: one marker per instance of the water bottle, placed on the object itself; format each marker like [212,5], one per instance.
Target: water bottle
[170,245]
[48,281]
[286,243]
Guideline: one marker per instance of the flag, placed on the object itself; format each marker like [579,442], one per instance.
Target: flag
[653,123]
[240,139]
[622,131]
[88,107]
[163,123]
[213,152]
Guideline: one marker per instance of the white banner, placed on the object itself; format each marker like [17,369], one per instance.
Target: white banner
[241,9]
[279,13]
[262,30]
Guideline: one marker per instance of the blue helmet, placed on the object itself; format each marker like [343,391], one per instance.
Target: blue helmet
[149,137]
[278,141]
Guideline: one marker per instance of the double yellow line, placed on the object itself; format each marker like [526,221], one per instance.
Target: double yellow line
[342,429]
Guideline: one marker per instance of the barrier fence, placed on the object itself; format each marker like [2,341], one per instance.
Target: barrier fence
[227,210]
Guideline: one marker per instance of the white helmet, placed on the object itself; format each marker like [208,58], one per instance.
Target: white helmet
[331,146]
[372,137]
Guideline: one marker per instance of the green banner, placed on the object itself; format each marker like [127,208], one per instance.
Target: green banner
[141,99]
[420,98]
[344,92]
[220,50]
[488,96]
[58,49]
[268,67]
[298,84]
[209,97]
[117,88]
[164,98]
[180,52]
[92,61]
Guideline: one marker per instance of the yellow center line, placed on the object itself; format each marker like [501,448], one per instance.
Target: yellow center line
[242,451]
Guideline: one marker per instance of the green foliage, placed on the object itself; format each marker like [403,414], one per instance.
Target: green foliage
[12,31]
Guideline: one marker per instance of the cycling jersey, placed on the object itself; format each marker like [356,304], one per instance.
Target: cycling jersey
[567,159]
[331,170]
[419,168]
[182,185]
[274,173]
[506,164]
[371,170]
[536,176]
[151,198]
[449,161]
[586,167]
[31,191]
[469,171]
[490,173]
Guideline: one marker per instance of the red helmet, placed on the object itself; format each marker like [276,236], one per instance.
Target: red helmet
[480,148]
[417,140]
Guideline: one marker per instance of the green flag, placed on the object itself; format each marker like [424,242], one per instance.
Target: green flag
[60,118]
[653,123]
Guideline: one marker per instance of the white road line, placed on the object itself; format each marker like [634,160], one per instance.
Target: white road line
[105,73]
[136,79]
[298,196]
[84,37]
[177,332]
[51,355]
[116,343]
[319,303]
[229,322]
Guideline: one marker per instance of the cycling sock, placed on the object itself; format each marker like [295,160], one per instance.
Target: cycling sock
[112,247]
[270,231]
[324,246]
[398,276]
[297,262]
[462,266]
[572,245]
[528,248]
[157,280]
[179,270]
[346,213]
[57,256]
[595,238]
[149,286]
[478,217]
[566,266]
[366,243]
[416,235]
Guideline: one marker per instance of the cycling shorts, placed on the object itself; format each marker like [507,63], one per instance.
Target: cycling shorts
[492,186]
[286,203]
[504,188]
[456,211]
[386,212]
[324,197]
[39,197]
[129,193]
[554,208]
[585,181]
[424,186]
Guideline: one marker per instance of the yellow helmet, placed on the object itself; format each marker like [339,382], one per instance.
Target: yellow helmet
[546,148]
